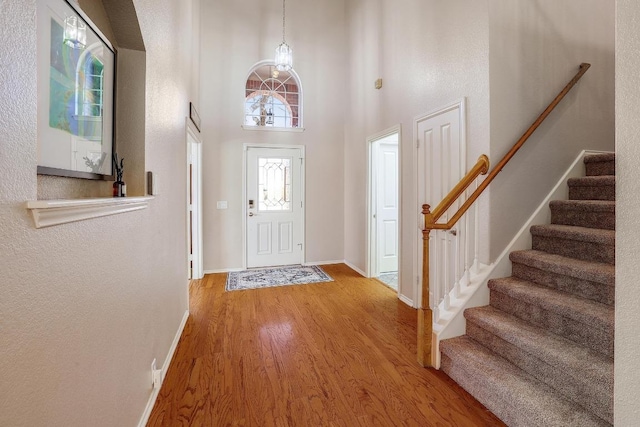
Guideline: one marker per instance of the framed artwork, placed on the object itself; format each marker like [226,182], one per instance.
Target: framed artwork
[76,80]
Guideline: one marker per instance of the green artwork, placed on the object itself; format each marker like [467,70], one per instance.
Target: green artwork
[75,95]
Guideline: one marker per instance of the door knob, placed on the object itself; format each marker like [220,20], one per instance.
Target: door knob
[251,214]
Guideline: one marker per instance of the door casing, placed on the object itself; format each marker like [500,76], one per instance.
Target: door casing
[371,208]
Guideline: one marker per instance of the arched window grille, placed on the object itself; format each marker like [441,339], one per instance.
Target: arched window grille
[272,98]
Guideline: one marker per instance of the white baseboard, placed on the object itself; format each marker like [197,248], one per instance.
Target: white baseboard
[356,269]
[165,367]
[406,300]
[224,270]
[325,262]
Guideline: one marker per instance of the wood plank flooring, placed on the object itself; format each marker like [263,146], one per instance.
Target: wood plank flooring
[330,354]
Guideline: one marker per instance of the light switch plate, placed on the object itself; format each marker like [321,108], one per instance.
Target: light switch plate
[222,204]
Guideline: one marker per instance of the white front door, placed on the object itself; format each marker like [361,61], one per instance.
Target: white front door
[441,165]
[274,206]
[387,206]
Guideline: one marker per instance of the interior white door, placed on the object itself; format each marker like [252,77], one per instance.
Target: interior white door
[387,206]
[274,206]
[441,160]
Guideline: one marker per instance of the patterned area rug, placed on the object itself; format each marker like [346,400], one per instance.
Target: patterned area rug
[280,276]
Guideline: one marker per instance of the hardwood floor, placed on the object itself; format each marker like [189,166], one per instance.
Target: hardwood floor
[328,354]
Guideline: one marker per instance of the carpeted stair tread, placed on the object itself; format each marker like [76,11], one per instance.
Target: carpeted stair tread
[584,213]
[581,363]
[589,244]
[600,157]
[587,270]
[593,187]
[582,376]
[513,395]
[571,232]
[593,181]
[587,312]
[584,205]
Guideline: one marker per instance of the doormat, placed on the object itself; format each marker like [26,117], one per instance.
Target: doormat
[279,276]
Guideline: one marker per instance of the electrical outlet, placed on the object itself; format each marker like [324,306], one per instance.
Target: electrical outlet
[156,375]
[153,369]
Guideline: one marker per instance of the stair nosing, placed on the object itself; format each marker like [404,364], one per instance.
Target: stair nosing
[573,232]
[592,181]
[583,205]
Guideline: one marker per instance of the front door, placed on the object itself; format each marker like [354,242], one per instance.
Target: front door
[274,206]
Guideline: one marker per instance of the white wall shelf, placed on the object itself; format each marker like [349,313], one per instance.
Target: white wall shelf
[47,213]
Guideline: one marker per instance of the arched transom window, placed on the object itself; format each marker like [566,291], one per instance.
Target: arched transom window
[272,98]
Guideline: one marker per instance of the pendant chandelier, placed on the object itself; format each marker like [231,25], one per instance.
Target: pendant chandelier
[284,54]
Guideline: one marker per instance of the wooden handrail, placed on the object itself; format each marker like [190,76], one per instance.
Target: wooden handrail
[425,315]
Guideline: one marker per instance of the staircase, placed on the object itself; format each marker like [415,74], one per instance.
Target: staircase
[541,354]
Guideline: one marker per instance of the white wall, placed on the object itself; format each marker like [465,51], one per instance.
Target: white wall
[429,54]
[627,374]
[536,48]
[85,307]
[235,36]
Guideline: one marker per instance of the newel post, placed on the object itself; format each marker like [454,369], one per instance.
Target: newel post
[425,316]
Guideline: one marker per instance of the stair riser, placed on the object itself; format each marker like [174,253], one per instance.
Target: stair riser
[583,288]
[587,394]
[601,192]
[600,168]
[597,338]
[490,398]
[586,251]
[603,220]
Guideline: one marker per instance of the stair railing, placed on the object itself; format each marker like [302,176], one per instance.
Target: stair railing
[425,313]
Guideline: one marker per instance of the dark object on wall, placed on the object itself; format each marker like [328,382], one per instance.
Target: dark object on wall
[119,187]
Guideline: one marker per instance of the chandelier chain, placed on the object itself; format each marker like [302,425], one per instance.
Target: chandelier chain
[283,19]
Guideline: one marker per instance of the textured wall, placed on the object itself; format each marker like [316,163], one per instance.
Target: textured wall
[235,36]
[429,54]
[627,374]
[536,47]
[85,307]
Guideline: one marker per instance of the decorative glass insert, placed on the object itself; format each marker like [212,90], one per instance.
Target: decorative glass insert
[274,184]
[272,99]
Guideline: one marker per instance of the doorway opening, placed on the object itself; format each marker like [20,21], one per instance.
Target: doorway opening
[384,207]
[194,204]
[273,205]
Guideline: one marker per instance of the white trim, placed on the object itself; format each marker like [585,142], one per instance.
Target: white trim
[224,270]
[303,173]
[356,269]
[406,300]
[341,261]
[165,367]
[397,129]
[198,245]
[462,105]
[47,213]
